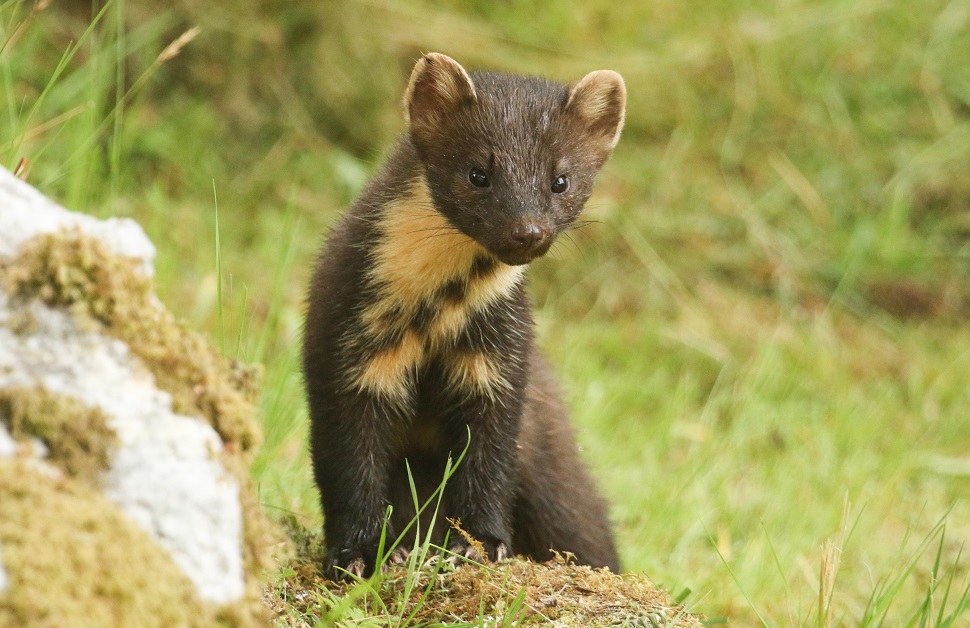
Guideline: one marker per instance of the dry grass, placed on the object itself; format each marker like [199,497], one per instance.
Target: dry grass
[514,590]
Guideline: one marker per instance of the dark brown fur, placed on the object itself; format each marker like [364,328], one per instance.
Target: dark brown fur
[419,331]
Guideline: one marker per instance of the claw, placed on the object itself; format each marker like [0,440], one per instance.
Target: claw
[400,555]
[337,570]
[356,567]
[495,553]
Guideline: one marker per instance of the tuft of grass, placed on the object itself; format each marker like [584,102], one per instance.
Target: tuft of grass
[434,586]
[936,608]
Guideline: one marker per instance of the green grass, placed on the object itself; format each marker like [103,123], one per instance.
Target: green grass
[767,317]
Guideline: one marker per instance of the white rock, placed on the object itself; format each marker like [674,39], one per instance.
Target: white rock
[26,213]
[165,478]
[164,474]
[8,446]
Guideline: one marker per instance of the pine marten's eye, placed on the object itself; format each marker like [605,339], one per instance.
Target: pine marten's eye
[561,184]
[478,178]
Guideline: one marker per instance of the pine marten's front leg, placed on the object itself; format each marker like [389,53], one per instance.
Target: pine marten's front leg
[486,376]
[351,443]
[481,492]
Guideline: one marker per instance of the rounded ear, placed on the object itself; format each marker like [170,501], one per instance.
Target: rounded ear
[599,101]
[438,85]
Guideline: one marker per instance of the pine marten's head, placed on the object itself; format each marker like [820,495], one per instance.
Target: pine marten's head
[510,160]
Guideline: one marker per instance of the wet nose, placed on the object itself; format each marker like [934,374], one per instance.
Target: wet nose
[528,235]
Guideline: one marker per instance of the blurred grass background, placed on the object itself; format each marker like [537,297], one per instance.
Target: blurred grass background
[768,316]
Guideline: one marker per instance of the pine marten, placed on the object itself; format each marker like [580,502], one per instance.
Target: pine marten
[419,337]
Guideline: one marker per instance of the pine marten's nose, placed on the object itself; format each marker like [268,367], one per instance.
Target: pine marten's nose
[528,235]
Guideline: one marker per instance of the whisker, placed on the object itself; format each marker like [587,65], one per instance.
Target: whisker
[554,251]
[582,250]
[576,246]
[434,230]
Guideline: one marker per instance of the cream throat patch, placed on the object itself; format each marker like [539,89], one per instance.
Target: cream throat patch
[429,279]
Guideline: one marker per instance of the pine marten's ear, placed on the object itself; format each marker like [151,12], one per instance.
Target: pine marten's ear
[438,86]
[599,100]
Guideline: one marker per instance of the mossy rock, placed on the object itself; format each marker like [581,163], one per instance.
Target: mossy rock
[73,557]
[73,560]
[73,270]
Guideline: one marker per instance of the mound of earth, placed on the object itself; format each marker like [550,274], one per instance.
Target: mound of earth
[433,592]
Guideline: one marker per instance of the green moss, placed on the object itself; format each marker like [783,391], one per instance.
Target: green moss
[70,269]
[74,560]
[78,437]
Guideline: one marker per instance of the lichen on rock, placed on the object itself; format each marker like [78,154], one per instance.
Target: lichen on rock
[78,438]
[163,469]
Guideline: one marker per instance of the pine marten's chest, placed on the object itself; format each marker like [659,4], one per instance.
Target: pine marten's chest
[427,282]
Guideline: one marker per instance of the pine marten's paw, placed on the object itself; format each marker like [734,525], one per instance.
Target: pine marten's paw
[494,549]
[352,563]
[345,564]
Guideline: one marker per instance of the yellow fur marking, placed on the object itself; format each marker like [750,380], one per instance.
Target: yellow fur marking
[389,373]
[420,251]
[417,254]
[449,322]
[500,283]
[479,293]
[476,372]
